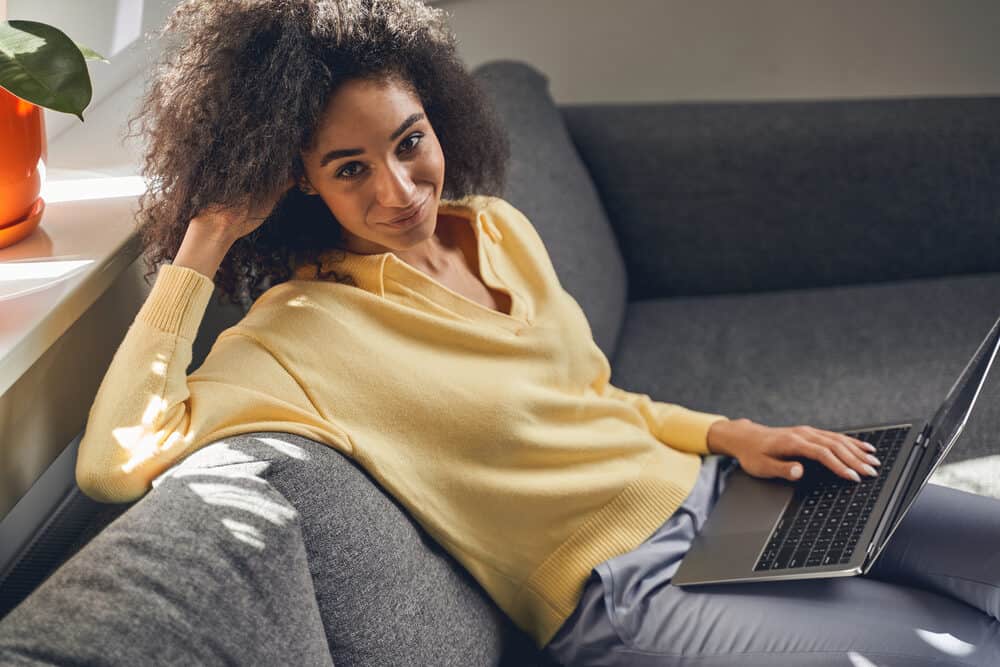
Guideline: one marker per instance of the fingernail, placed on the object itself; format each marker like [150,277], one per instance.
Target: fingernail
[870,447]
[873,460]
[854,475]
[796,471]
[870,470]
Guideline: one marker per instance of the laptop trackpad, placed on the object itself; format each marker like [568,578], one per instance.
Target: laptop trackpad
[748,504]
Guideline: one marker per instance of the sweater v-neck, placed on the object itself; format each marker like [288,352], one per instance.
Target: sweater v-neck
[387,276]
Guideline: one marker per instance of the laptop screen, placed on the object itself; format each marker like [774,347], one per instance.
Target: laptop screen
[950,418]
[946,425]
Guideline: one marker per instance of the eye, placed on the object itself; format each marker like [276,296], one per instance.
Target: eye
[416,135]
[343,171]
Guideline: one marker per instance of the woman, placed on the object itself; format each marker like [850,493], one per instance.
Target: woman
[334,164]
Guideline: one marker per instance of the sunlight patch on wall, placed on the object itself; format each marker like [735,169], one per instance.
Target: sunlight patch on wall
[128,25]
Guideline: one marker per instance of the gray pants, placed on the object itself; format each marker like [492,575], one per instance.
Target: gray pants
[932,598]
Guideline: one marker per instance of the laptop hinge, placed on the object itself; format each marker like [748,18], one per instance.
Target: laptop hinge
[923,435]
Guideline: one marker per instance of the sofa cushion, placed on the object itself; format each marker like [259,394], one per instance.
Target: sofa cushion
[717,197]
[550,185]
[828,357]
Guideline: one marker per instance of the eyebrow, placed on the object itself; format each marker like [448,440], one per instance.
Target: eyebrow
[347,152]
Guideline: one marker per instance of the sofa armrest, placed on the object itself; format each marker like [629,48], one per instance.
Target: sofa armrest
[207,568]
[710,198]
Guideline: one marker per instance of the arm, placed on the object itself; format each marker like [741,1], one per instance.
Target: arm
[139,421]
[147,413]
[673,425]
[723,434]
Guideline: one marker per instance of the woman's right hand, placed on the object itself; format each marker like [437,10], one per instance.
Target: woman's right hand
[233,223]
[212,232]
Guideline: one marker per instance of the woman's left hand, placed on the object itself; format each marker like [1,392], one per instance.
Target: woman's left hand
[763,450]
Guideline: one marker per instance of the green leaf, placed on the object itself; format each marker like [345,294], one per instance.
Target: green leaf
[90,54]
[41,64]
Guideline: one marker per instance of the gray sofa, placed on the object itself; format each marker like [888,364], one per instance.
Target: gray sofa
[823,262]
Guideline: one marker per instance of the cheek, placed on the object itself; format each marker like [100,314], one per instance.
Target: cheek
[342,206]
[436,160]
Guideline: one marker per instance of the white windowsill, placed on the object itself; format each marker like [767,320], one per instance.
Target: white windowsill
[48,280]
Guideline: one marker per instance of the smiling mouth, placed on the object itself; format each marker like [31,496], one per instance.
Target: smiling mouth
[412,218]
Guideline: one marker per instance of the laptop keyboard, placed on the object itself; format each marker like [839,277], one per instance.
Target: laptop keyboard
[827,514]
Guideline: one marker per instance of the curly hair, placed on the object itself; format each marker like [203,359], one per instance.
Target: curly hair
[239,92]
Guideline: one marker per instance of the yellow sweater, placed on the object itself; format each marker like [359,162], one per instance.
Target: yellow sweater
[500,434]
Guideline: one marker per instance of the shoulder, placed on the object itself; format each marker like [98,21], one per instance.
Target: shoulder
[484,204]
[499,213]
[294,303]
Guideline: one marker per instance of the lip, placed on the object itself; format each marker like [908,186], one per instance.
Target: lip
[410,220]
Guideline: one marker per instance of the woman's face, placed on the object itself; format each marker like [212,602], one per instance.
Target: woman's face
[375,159]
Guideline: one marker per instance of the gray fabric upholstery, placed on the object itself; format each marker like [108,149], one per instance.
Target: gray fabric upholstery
[389,592]
[829,357]
[242,554]
[209,568]
[724,197]
[768,276]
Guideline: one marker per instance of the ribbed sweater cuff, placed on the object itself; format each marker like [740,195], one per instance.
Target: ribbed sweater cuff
[687,430]
[178,300]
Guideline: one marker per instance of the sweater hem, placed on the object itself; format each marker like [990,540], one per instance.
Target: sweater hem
[551,593]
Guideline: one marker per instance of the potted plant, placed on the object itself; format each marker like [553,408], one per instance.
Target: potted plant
[40,66]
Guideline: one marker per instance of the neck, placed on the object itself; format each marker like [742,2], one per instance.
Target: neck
[432,257]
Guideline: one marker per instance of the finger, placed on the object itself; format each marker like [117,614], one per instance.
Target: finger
[848,452]
[799,445]
[777,467]
[857,447]
[865,446]
[861,444]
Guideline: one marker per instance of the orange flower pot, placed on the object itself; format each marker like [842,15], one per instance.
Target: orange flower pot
[23,154]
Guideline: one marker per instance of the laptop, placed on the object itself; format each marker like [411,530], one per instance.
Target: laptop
[823,525]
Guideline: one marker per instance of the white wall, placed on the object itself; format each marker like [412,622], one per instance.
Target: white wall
[120,31]
[114,28]
[665,50]
[601,51]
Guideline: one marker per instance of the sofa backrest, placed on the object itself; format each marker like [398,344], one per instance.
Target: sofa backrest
[549,183]
[719,197]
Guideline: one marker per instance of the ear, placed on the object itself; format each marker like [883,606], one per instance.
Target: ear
[306,187]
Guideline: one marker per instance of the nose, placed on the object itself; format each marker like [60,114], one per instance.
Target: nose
[394,188]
